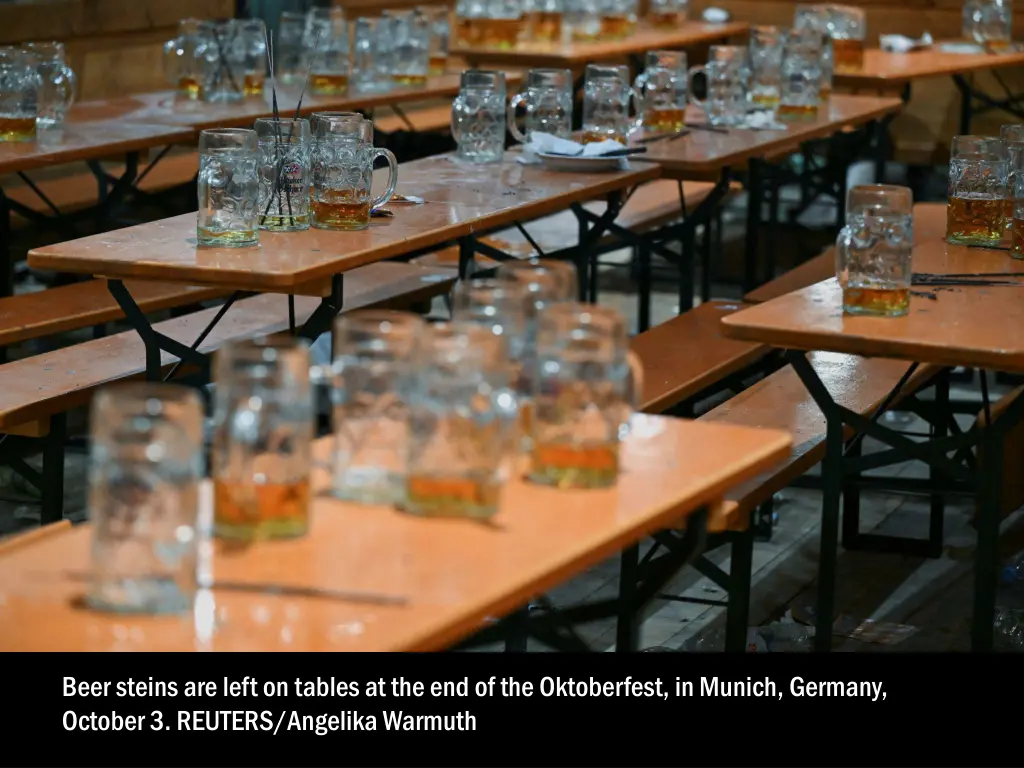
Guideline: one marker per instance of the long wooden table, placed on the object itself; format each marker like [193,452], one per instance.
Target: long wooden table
[574,56]
[462,201]
[446,576]
[972,326]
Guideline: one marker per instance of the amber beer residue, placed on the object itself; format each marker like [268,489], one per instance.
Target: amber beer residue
[616,27]
[665,120]
[328,84]
[438,63]
[544,26]
[848,55]
[452,496]
[971,220]
[499,33]
[797,111]
[1017,238]
[409,81]
[666,19]
[876,301]
[568,465]
[190,88]
[260,510]
[253,85]
[17,128]
[824,94]
[338,210]
[593,137]
[766,100]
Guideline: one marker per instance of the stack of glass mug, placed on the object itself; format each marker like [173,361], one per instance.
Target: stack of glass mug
[227,61]
[506,23]
[432,418]
[287,175]
[37,87]
[985,205]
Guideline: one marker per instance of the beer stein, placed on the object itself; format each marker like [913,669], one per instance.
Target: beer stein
[766,47]
[478,117]
[725,101]
[989,23]
[184,58]
[543,19]
[59,83]
[501,24]
[223,57]
[371,53]
[228,186]
[584,17]
[327,41]
[607,94]
[618,19]
[291,58]
[848,29]
[20,84]
[662,90]
[440,34]
[409,35]
[547,98]
[818,19]
[1013,137]
[1015,195]
[283,165]
[468,18]
[801,76]
[342,161]
[667,14]
[252,42]
[976,207]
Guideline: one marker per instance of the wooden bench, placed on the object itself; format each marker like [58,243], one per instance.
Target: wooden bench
[38,391]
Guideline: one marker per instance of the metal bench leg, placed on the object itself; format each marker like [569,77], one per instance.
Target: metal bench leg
[627,634]
[643,285]
[53,471]
[937,513]
[750,257]
[851,499]
[518,631]
[738,612]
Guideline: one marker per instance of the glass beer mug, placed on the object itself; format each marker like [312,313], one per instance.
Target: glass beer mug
[800,81]
[618,19]
[501,24]
[371,53]
[290,55]
[543,20]
[479,117]
[662,90]
[327,33]
[989,23]
[607,94]
[766,47]
[20,84]
[976,208]
[848,29]
[410,48]
[725,101]
[666,14]
[584,19]
[817,19]
[252,43]
[223,59]
[547,99]
[873,250]
[184,57]
[59,83]
[1013,138]
[440,35]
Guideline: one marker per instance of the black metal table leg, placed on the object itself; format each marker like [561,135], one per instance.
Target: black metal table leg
[323,316]
[751,278]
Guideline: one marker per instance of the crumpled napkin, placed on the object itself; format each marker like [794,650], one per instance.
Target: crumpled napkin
[760,120]
[903,44]
[545,142]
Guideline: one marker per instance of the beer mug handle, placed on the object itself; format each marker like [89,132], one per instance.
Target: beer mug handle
[392,177]
[515,101]
[694,71]
[638,121]
[69,92]
[454,123]
[636,373]
[843,243]
[321,382]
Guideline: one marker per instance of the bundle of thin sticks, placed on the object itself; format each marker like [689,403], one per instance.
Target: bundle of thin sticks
[968,278]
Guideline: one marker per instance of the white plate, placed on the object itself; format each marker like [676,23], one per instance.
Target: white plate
[580,164]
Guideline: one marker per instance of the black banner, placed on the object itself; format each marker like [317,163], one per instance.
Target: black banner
[480,709]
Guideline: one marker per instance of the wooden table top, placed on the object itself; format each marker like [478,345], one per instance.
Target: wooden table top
[882,68]
[576,55]
[460,199]
[453,574]
[700,152]
[974,326]
[86,141]
[162,108]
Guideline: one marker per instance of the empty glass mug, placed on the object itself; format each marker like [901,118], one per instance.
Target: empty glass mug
[327,41]
[478,117]
[848,29]
[440,33]
[587,384]
[543,19]
[223,58]
[184,58]
[20,85]
[547,99]
[262,439]
[59,84]
[800,85]
[618,18]
[145,467]
[725,101]
[228,186]
[371,53]
[584,17]
[976,207]
[607,95]
[283,165]
[662,90]
[873,250]
[291,57]
[817,18]
[1013,138]
[342,163]
[410,48]
[252,42]
[375,362]
[458,425]
[989,23]
[666,14]
[766,47]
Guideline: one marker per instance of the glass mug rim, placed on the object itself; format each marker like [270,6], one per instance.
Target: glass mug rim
[245,139]
[901,198]
[582,313]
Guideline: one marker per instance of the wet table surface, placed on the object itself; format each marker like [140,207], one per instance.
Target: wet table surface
[883,68]
[450,574]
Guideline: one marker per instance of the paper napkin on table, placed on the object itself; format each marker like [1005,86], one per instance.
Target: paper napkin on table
[760,120]
[903,44]
[545,142]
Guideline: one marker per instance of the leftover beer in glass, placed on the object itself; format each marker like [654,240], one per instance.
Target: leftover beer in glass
[766,47]
[584,18]
[607,95]
[262,439]
[587,383]
[145,467]
[228,187]
[725,101]
[499,25]
[662,90]
[976,209]
[440,33]
[410,48]
[327,32]
[547,100]
[478,117]
[458,429]
[543,20]
[375,361]
[283,150]
[291,56]
[667,14]
[252,40]
[618,19]
[342,161]
[20,84]
[59,84]
[989,23]
[800,83]
[873,250]
[1016,199]
[817,18]
[184,58]
[1013,137]
[847,28]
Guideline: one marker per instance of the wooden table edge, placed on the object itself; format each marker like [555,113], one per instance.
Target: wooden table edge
[445,637]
